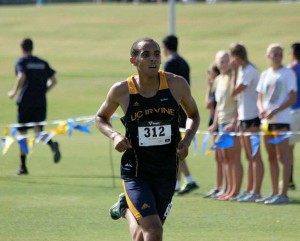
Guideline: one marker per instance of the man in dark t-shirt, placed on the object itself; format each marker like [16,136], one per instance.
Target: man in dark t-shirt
[177,65]
[34,79]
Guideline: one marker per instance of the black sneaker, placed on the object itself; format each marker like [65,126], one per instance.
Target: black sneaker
[117,210]
[292,186]
[22,171]
[188,188]
[56,152]
[212,193]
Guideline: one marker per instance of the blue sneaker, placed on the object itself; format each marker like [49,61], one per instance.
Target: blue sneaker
[264,199]
[118,209]
[239,196]
[278,199]
[252,197]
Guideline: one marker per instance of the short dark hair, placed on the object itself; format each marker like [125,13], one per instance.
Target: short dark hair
[171,42]
[239,50]
[27,44]
[296,50]
[134,51]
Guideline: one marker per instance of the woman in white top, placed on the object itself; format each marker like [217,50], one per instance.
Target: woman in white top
[225,120]
[245,92]
[277,91]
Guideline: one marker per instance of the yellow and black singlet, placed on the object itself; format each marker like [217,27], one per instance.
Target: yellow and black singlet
[152,127]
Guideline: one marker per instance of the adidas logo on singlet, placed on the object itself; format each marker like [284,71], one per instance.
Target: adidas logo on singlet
[136,104]
[163,99]
[145,205]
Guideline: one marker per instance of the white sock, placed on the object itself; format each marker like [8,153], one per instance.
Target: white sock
[177,187]
[188,179]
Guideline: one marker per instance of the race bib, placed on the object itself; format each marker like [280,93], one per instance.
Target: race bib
[154,133]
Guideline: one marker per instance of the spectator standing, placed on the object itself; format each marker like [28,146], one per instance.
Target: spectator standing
[277,91]
[211,103]
[34,79]
[225,121]
[178,65]
[248,116]
[295,109]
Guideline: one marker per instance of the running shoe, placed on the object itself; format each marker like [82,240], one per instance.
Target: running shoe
[264,199]
[220,193]
[252,197]
[292,186]
[117,210]
[188,188]
[278,199]
[22,171]
[212,193]
[239,196]
[56,152]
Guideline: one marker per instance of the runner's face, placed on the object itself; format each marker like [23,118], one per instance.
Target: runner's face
[149,58]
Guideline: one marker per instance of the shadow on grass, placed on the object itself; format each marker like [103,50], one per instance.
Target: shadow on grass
[294,201]
[49,180]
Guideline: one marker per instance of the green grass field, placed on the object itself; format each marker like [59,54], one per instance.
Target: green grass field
[88,45]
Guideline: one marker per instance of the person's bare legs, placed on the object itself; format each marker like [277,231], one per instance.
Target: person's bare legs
[178,180]
[220,173]
[147,229]
[244,144]
[228,167]
[183,167]
[152,228]
[135,230]
[286,161]
[190,184]
[220,176]
[255,164]
[236,169]
[258,170]
[274,168]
